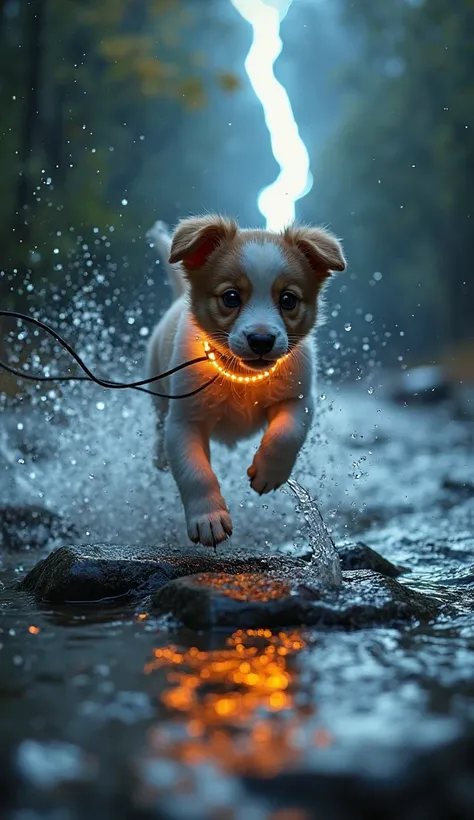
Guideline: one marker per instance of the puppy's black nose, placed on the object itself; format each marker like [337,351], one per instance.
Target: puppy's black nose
[261,343]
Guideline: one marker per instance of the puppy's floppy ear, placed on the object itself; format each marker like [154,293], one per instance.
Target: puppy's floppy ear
[321,249]
[197,237]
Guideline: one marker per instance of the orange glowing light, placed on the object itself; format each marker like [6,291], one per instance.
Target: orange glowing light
[247,586]
[237,377]
[34,630]
[142,616]
[231,700]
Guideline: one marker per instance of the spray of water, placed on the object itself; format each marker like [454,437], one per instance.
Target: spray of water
[277,201]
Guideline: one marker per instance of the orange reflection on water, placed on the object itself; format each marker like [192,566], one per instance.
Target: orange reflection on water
[237,704]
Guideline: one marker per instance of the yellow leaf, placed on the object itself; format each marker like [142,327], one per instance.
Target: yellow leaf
[192,90]
[228,82]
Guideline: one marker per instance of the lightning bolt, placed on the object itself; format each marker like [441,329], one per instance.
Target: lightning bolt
[277,201]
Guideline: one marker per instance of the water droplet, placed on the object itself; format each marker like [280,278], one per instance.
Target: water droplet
[347,326]
[370,390]
[100,405]
[124,201]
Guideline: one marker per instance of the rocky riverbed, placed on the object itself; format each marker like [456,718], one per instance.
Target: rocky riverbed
[139,678]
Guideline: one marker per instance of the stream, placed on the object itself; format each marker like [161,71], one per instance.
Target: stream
[108,711]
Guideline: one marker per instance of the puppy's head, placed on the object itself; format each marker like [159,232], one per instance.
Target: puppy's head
[254,292]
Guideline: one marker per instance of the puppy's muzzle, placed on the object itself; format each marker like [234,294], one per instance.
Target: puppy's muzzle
[261,343]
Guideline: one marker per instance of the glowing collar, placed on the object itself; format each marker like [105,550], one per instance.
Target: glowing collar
[237,377]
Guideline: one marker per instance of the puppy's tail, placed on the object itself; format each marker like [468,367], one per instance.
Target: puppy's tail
[160,237]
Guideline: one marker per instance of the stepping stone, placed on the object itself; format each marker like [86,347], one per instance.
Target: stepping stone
[101,571]
[252,601]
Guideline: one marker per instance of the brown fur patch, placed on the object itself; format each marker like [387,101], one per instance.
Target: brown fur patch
[196,238]
[321,249]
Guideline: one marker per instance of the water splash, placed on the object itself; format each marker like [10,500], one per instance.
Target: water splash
[276,202]
[323,549]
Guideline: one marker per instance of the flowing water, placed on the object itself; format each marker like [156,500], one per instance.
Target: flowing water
[115,710]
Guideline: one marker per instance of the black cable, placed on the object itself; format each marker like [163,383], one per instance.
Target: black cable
[137,385]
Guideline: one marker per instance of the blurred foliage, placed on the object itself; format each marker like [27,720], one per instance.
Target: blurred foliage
[91,94]
[397,173]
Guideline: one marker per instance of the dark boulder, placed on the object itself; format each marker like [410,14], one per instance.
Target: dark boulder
[248,600]
[99,571]
[360,556]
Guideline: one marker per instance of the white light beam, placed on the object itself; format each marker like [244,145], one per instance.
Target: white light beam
[276,202]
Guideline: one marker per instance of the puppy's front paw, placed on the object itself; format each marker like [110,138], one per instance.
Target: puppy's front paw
[210,528]
[269,471]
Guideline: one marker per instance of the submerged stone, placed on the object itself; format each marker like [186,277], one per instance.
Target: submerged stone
[250,600]
[99,571]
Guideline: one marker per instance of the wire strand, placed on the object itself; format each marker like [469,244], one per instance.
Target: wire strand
[113,385]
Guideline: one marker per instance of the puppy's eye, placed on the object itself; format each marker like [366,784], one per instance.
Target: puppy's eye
[231,299]
[288,300]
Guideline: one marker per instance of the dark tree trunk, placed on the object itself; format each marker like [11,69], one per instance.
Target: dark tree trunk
[2,15]
[34,23]
[2,18]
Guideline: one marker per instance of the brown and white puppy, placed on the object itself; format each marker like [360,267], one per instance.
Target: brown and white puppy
[250,298]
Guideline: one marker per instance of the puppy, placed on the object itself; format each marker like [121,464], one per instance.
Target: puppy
[248,301]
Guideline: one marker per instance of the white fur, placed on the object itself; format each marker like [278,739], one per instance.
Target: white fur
[262,262]
[227,411]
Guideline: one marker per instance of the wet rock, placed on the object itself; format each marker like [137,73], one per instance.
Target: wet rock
[422,385]
[31,527]
[248,600]
[360,556]
[96,572]
[460,484]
